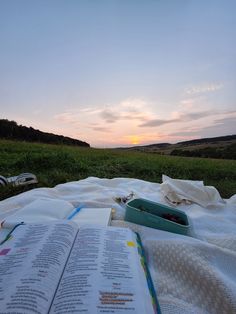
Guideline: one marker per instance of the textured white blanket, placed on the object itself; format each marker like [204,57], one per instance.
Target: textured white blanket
[191,274]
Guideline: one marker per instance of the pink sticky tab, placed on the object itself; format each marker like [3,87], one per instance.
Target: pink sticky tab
[4,251]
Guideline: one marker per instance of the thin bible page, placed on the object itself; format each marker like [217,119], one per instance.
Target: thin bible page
[103,275]
[31,264]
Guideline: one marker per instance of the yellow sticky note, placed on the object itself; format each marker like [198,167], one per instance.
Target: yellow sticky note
[131,243]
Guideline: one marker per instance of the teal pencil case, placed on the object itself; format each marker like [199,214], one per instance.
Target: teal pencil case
[158,216]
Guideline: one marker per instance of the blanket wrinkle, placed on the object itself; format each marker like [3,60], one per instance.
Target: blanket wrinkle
[192,275]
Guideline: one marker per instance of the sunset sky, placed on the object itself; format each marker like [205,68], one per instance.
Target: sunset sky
[120,72]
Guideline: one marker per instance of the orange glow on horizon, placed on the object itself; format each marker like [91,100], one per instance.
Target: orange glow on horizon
[134,140]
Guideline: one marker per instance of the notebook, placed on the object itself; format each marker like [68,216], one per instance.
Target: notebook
[94,216]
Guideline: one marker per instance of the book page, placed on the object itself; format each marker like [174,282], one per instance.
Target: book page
[102,275]
[31,264]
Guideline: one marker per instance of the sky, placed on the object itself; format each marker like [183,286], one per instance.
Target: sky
[120,72]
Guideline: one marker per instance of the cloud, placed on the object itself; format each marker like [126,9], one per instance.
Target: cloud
[217,127]
[185,133]
[109,116]
[220,127]
[130,109]
[227,120]
[188,103]
[180,117]
[133,105]
[100,129]
[196,115]
[65,117]
[202,89]
[157,122]
[90,110]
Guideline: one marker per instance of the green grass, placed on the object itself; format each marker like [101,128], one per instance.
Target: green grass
[54,164]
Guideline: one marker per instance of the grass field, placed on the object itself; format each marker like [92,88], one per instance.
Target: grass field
[54,164]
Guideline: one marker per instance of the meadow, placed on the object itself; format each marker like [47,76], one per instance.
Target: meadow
[55,164]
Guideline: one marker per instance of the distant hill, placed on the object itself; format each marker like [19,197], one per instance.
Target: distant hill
[12,131]
[209,140]
[223,147]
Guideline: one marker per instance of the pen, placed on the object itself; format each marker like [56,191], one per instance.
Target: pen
[75,212]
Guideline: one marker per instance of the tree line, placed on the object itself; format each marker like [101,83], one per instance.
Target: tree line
[12,131]
[227,152]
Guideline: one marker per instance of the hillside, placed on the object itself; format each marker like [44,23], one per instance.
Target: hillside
[10,130]
[223,147]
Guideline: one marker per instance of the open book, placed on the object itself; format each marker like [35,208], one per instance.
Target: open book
[61,268]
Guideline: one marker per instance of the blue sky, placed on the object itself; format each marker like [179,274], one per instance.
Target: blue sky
[116,73]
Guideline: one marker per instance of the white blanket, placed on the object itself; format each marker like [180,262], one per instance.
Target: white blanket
[191,274]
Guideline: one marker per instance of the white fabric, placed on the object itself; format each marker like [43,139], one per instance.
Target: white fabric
[186,191]
[191,274]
